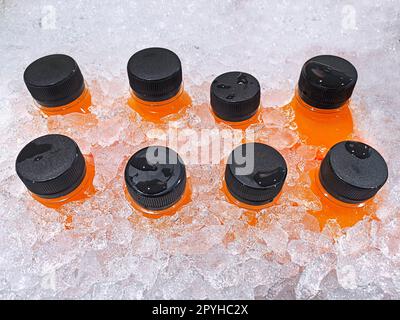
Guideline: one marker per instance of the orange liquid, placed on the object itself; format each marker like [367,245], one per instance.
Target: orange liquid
[80,105]
[82,192]
[153,214]
[155,111]
[345,214]
[242,125]
[321,127]
[251,211]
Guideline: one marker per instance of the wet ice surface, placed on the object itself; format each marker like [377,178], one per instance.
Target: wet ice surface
[207,250]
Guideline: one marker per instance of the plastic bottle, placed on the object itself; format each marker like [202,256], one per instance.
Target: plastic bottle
[54,170]
[57,85]
[254,176]
[235,99]
[155,182]
[349,177]
[155,78]
[321,100]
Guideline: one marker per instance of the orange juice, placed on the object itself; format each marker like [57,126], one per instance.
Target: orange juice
[155,79]
[235,99]
[156,183]
[254,176]
[54,170]
[57,85]
[349,177]
[321,100]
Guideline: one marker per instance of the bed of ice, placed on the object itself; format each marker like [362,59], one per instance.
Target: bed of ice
[207,250]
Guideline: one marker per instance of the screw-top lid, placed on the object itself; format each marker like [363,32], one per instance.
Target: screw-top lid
[326,82]
[54,80]
[51,166]
[353,172]
[155,74]
[255,173]
[235,96]
[155,177]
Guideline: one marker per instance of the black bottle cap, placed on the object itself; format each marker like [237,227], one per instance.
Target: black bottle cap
[51,166]
[235,96]
[326,82]
[155,74]
[155,177]
[54,80]
[353,172]
[255,173]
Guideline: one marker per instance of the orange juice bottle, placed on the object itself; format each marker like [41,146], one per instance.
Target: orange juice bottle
[57,85]
[235,99]
[155,182]
[349,177]
[54,170]
[155,79]
[321,100]
[254,176]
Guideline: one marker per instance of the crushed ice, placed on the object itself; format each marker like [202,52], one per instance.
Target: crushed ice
[208,249]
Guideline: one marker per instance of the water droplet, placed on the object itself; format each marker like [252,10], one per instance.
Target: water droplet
[223,86]
[36,151]
[142,164]
[326,75]
[358,149]
[269,178]
[152,186]
[230,96]
[242,80]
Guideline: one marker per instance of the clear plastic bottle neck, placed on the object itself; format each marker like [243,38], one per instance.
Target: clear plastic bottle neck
[308,107]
